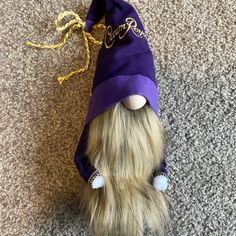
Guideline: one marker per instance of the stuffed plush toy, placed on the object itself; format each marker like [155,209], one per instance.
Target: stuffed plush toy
[120,154]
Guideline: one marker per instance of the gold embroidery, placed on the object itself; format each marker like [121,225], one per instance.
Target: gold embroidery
[121,31]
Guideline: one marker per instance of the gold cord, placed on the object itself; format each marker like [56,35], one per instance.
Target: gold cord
[73,25]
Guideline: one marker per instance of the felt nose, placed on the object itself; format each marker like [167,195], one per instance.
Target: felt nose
[134,102]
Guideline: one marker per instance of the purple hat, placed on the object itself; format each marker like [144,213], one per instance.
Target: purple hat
[125,67]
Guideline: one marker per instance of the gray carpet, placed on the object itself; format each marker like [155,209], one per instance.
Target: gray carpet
[193,43]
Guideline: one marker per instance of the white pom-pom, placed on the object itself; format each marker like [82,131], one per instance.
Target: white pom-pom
[160,182]
[98,182]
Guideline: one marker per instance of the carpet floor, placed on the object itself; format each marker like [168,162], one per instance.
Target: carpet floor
[193,44]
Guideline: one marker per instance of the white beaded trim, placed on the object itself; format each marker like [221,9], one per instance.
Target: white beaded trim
[158,173]
[93,176]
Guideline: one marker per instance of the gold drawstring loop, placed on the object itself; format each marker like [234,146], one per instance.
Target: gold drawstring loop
[75,24]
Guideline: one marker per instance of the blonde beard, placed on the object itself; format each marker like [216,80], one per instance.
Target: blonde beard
[125,146]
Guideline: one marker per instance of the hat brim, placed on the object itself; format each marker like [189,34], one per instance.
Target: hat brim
[118,88]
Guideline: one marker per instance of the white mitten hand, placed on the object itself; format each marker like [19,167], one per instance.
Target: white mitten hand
[97,181]
[160,182]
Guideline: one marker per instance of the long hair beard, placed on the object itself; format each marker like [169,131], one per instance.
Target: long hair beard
[125,146]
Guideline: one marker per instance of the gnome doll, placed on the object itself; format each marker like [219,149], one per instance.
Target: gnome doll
[120,154]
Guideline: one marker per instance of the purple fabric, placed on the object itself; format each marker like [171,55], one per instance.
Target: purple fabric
[163,167]
[82,162]
[129,55]
[116,89]
[124,66]
[88,25]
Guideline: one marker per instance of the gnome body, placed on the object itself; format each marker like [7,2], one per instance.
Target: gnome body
[120,152]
